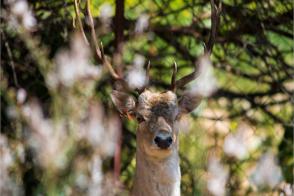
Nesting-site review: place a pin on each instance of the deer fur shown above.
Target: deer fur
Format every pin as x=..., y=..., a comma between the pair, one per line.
x=157, y=170
x=156, y=177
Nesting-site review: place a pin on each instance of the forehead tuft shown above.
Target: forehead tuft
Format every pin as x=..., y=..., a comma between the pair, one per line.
x=150, y=99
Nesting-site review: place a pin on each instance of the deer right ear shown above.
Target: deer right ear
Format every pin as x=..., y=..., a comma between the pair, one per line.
x=188, y=102
x=124, y=102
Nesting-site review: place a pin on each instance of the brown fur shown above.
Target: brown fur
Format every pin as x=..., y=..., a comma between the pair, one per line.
x=157, y=170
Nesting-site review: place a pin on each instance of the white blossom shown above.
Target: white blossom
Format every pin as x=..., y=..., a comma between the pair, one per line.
x=99, y=132
x=142, y=23
x=82, y=181
x=136, y=76
x=106, y=13
x=19, y=7
x=234, y=146
x=111, y=135
x=46, y=137
x=94, y=126
x=205, y=84
x=218, y=176
x=7, y=186
x=139, y=60
x=287, y=189
x=240, y=143
x=73, y=65
x=96, y=176
x=21, y=96
x=267, y=172
x=29, y=21
x=11, y=112
x=6, y=158
x=20, y=12
x=20, y=151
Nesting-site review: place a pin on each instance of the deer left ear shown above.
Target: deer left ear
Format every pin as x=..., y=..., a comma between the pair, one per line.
x=188, y=102
x=124, y=102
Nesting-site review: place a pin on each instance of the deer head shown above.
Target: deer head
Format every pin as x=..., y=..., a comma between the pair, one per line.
x=157, y=114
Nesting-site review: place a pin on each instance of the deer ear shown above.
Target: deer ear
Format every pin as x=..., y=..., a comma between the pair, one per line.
x=188, y=102
x=124, y=102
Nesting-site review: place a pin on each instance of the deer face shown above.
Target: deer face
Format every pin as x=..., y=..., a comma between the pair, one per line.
x=157, y=115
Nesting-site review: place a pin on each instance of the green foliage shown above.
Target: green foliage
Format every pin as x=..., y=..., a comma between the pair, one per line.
x=253, y=63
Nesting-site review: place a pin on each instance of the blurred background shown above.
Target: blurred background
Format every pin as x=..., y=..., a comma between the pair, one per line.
x=61, y=135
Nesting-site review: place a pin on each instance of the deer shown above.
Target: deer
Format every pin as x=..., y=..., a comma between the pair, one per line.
x=157, y=170
x=157, y=160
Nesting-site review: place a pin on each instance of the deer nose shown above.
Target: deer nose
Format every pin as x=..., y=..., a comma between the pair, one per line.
x=163, y=142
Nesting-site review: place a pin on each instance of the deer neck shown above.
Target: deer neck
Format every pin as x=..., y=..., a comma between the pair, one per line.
x=157, y=177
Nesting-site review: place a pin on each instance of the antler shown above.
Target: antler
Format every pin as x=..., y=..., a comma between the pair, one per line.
x=99, y=50
x=173, y=79
x=100, y=56
x=215, y=17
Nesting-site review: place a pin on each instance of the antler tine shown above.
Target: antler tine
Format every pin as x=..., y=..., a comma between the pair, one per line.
x=173, y=79
x=186, y=79
x=215, y=18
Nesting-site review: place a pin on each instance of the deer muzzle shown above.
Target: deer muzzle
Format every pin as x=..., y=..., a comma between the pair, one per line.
x=163, y=139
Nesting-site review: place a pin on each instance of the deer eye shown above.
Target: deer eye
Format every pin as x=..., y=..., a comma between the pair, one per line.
x=140, y=118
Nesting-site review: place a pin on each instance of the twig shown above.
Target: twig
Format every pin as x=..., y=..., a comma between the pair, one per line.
x=11, y=62
x=215, y=18
x=93, y=33
x=78, y=17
